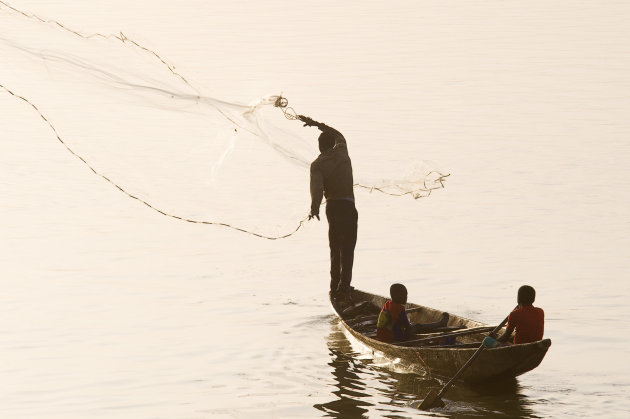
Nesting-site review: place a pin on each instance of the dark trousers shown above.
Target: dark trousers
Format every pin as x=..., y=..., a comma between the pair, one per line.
x=342, y=237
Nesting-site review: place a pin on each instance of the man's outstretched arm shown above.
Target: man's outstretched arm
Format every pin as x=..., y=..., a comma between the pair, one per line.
x=310, y=122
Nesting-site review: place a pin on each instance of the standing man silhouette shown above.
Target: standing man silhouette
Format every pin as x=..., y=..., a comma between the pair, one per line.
x=331, y=177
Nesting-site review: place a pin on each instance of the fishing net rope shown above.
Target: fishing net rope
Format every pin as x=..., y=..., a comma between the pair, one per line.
x=136, y=122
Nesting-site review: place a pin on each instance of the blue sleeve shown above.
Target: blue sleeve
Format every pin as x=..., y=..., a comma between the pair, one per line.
x=397, y=328
x=403, y=318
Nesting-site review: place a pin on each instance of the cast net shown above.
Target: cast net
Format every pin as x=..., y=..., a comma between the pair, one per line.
x=130, y=117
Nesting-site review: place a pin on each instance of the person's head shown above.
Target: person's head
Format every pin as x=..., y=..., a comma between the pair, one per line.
x=526, y=295
x=398, y=292
x=326, y=140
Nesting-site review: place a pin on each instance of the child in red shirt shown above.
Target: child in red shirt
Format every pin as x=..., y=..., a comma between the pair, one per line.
x=393, y=324
x=529, y=321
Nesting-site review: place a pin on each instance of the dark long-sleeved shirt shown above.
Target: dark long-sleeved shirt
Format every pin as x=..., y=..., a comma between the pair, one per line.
x=331, y=173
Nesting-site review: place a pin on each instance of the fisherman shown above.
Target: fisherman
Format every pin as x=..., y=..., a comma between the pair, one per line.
x=393, y=324
x=529, y=321
x=331, y=176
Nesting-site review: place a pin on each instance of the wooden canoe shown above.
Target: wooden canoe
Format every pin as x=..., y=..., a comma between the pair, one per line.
x=444, y=360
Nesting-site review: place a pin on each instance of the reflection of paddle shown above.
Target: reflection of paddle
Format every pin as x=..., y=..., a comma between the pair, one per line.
x=434, y=399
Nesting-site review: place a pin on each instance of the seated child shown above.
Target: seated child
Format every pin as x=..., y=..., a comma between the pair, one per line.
x=529, y=321
x=393, y=324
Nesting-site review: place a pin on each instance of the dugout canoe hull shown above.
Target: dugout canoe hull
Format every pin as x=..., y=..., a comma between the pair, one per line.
x=492, y=364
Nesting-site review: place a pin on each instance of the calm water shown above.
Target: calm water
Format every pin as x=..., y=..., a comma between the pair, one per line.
x=110, y=310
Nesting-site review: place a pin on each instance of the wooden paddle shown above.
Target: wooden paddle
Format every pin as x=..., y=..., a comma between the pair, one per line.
x=437, y=336
x=434, y=399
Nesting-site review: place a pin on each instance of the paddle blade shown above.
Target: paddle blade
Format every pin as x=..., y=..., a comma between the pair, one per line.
x=432, y=400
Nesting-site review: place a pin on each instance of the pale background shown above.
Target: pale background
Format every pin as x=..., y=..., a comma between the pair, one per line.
x=110, y=310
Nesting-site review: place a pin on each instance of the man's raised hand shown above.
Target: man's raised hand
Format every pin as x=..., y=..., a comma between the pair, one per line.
x=308, y=122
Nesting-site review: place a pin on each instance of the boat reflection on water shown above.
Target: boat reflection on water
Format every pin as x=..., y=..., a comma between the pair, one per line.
x=350, y=396
x=369, y=386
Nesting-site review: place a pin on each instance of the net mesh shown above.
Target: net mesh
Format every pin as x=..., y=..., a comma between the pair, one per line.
x=131, y=118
